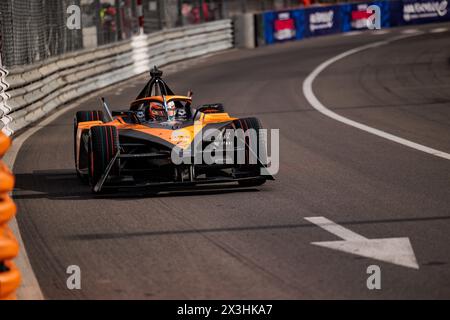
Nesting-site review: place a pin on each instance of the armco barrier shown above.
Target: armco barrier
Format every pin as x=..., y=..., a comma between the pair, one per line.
x=9, y=247
x=280, y=26
x=34, y=91
x=4, y=108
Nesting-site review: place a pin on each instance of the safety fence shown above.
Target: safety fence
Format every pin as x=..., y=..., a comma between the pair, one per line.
x=280, y=26
x=35, y=30
x=33, y=91
x=9, y=247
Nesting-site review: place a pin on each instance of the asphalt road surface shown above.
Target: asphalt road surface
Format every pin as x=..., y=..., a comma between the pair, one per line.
x=234, y=243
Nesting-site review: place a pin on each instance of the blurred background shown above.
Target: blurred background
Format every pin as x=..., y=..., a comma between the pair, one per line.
x=31, y=31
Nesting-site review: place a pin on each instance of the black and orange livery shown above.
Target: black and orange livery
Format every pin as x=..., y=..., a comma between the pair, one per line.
x=133, y=148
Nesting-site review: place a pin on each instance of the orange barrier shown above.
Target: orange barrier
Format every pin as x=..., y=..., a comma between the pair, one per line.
x=5, y=143
x=9, y=247
x=9, y=281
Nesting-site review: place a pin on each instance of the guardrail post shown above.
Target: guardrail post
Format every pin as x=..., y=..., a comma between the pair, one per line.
x=9, y=247
x=244, y=31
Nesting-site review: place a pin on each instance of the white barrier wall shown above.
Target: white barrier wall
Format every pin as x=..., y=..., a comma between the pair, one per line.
x=31, y=92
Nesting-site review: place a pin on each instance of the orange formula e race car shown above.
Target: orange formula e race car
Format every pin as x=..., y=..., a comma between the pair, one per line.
x=162, y=142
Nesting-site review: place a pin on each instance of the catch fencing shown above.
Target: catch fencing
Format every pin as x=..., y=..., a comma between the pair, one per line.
x=35, y=30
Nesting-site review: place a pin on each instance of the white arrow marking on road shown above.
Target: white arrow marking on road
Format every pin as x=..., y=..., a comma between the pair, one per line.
x=393, y=250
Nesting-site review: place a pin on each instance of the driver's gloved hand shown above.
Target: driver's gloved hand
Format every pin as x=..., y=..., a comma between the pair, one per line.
x=140, y=115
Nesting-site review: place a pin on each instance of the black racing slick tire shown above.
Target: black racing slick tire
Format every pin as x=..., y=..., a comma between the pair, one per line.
x=103, y=146
x=83, y=116
x=257, y=147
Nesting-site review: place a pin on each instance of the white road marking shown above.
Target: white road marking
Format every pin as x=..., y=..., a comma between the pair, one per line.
x=380, y=32
x=438, y=30
x=392, y=250
x=335, y=229
x=316, y=104
x=352, y=33
x=409, y=31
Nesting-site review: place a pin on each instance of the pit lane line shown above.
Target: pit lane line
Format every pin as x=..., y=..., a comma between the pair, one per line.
x=308, y=92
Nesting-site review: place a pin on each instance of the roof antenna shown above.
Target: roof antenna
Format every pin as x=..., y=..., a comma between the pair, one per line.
x=108, y=111
x=155, y=72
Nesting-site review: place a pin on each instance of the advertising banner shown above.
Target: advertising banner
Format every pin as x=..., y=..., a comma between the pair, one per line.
x=354, y=16
x=420, y=11
x=283, y=26
x=322, y=20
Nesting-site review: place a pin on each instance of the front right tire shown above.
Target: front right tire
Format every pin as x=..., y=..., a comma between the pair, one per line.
x=256, y=147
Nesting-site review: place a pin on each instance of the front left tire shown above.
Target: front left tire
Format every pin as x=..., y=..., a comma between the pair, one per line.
x=103, y=146
x=81, y=159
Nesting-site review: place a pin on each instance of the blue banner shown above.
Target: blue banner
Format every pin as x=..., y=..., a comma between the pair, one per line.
x=322, y=20
x=354, y=16
x=283, y=26
x=419, y=11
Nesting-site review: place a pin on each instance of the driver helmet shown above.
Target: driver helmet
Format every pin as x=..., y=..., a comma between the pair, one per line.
x=171, y=110
x=156, y=110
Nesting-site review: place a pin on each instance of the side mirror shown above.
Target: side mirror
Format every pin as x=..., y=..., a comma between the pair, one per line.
x=209, y=108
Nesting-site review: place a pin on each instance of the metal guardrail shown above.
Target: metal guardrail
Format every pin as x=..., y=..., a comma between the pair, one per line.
x=9, y=247
x=4, y=108
x=34, y=91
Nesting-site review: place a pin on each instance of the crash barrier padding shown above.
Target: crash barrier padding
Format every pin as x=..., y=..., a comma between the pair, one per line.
x=280, y=26
x=33, y=91
x=9, y=247
x=9, y=281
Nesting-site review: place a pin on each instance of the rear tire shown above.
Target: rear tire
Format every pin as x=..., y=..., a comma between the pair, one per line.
x=103, y=146
x=83, y=116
